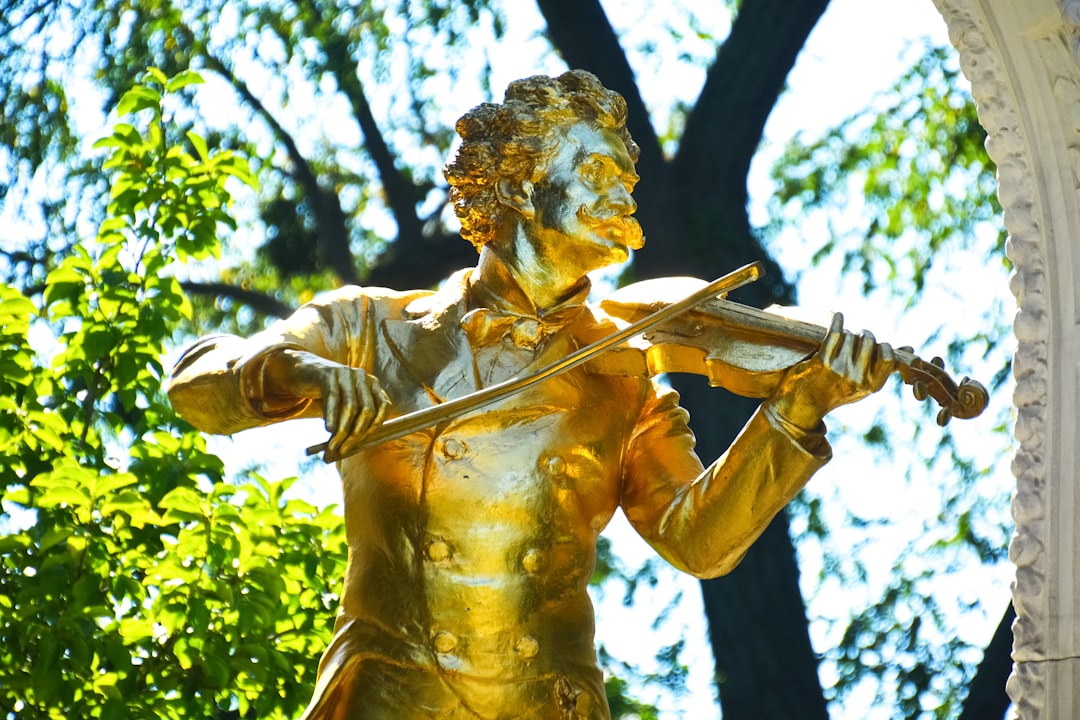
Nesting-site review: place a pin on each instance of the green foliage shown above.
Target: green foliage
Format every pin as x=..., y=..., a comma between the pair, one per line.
x=134, y=581
x=623, y=705
x=916, y=168
x=322, y=181
x=898, y=188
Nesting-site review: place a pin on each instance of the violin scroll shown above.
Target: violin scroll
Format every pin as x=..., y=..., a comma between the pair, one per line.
x=928, y=379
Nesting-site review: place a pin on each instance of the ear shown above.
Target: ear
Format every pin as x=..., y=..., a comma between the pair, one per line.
x=518, y=197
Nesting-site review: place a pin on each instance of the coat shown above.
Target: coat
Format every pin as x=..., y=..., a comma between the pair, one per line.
x=471, y=544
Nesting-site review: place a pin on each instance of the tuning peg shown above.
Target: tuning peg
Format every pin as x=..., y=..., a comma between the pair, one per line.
x=943, y=417
x=920, y=390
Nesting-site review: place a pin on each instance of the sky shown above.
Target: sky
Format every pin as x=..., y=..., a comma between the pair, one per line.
x=857, y=50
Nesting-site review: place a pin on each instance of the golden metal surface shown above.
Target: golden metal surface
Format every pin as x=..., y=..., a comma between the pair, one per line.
x=471, y=541
x=407, y=424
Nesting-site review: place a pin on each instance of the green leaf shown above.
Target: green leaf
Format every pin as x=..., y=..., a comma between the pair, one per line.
x=17, y=494
x=184, y=500
x=64, y=495
x=182, y=80
x=53, y=538
x=13, y=543
x=16, y=308
x=63, y=282
x=157, y=75
x=44, y=674
x=107, y=482
x=200, y=145
x=138, y=98
x=215, y=671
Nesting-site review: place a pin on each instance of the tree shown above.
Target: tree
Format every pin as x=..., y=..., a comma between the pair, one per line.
x=143, y=585
x=361, y=200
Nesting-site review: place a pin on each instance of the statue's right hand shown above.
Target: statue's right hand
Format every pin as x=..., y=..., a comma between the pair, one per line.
x=353, y=402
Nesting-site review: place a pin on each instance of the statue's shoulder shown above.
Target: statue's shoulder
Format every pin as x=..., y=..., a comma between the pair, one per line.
x=595, y=323
x=383, y=302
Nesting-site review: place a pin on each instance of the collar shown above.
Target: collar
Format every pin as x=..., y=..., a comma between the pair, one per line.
x=501, y=292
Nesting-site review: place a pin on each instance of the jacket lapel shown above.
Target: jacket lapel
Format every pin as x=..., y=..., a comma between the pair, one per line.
x=429, y=345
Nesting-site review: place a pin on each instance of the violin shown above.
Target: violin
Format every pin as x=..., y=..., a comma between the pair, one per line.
x=743, y=349
x=748, y=351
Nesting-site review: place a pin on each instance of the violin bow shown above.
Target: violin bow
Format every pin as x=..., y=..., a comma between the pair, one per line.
x=426, y=417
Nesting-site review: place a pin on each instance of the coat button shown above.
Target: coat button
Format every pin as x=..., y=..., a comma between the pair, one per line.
x=527, y=647
x=438, y=551
x=555, y=466
x=530, y=561
x=453, y=448
x=444, y=642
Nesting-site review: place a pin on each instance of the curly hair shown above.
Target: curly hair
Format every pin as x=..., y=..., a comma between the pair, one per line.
x=517, y=139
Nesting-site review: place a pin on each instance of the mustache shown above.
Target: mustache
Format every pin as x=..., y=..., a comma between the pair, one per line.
x=623, y=227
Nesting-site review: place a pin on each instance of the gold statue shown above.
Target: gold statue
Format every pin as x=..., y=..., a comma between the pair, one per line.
x=471, y=542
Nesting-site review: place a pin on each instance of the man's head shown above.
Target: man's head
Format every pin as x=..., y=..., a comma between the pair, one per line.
x=511, y=145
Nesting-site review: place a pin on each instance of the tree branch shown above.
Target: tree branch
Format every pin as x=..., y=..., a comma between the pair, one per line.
x=424, y=266
x=401, y=194
x=259, y=302
x=581, y=32
x=330, y=219
x=724, y=128
x=765, y=664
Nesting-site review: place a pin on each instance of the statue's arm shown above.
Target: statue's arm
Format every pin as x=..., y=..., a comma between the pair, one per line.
x=703, y=520
x=223, y=383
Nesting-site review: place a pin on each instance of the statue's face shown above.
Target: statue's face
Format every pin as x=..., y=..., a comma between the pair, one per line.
x=583, y=205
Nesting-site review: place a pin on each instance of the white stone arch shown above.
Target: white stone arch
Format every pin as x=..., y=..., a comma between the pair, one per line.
x=1021, y=57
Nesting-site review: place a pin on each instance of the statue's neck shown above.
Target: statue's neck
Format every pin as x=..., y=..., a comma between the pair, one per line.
x=510, y=270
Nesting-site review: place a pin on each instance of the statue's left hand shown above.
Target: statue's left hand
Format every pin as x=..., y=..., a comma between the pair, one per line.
x=847, y=368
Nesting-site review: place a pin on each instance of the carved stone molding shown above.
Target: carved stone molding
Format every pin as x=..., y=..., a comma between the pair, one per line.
x=1021, y=57
x=1070, y=15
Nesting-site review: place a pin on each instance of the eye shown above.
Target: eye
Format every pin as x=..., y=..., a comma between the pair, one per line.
x=593, y=173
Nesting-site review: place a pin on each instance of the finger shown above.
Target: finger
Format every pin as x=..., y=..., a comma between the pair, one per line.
x=384, y=407
x=866, y=345
x=885, y=366
x=365, y=412
x=330, y=401
x=332, y=413
x=346, y=411
x=834, y=340
x=374, y=407
x=886, y=355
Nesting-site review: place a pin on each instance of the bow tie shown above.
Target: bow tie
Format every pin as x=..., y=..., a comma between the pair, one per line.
x=485, y=326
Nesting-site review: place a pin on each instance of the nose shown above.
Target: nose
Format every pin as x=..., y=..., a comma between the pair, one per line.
x=621, y=200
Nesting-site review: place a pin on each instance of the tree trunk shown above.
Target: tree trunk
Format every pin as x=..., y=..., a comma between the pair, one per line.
x=695, y=210
x=765, y=665
x=986, y=698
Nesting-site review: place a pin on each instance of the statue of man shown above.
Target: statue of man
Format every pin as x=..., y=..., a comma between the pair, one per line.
x=471, y=543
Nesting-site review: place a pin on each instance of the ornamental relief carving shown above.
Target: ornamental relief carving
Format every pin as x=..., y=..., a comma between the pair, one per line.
x=971, y=30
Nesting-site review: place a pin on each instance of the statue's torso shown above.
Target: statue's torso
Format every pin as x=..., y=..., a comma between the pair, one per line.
x=471, y=545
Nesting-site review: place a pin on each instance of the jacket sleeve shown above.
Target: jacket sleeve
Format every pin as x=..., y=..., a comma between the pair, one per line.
x=218, y=383
x=703, y=520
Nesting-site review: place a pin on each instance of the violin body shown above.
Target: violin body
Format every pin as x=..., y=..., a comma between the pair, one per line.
x=746, y=350
x=713, y=339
